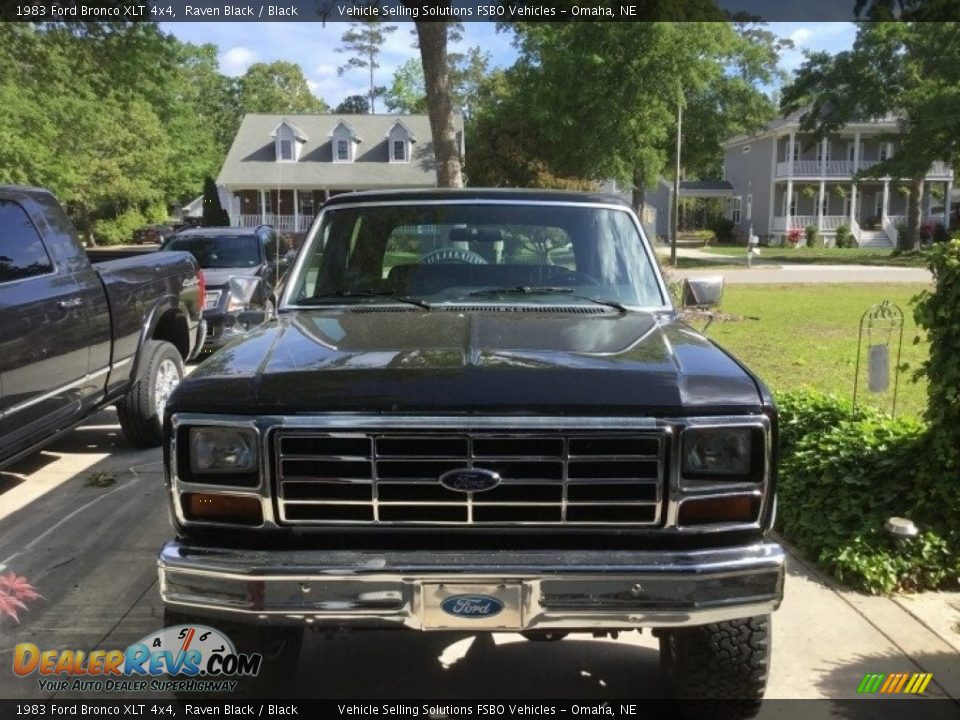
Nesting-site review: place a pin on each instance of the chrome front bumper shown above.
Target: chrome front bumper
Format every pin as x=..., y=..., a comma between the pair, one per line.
x=575, y=590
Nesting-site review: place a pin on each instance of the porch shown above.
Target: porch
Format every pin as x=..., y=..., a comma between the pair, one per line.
x=870, y=210
x=286, y=210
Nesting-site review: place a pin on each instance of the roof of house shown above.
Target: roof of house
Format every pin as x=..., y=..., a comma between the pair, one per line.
x=252, y=162
x=792, y=120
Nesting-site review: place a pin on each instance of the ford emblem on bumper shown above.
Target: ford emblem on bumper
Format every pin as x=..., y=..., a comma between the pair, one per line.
x=470, y=480
x=472, y=606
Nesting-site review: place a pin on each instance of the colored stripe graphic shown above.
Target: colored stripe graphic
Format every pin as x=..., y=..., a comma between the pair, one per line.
x=895, y=683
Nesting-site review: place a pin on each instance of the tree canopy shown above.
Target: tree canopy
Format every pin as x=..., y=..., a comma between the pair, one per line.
x=277, y=87
x=363, y=42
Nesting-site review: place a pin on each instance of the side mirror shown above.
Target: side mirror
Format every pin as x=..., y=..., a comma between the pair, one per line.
x=288, y=258
x=704, y=292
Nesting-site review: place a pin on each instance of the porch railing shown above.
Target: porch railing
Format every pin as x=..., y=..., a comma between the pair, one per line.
x=844, y=168
x=830, y=222
x=283, y=223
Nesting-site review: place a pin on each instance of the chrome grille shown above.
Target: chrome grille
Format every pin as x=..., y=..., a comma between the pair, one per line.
x=391, y=477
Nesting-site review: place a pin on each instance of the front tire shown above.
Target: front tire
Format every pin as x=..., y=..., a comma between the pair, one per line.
x=141, y=410
x=727, y=661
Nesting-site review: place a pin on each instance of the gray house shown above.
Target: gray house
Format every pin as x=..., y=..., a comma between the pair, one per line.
x=281, y=168
x=783, y=180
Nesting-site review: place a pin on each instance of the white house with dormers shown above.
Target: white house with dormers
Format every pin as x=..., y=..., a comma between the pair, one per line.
x=281, y=168
x=783, y=179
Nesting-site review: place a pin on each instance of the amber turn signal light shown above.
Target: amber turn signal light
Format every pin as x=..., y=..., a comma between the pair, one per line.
x=210, y=507
x=740, y=509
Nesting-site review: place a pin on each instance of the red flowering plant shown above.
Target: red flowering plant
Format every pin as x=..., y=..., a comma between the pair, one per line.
x=15, y=590
x=793, y=237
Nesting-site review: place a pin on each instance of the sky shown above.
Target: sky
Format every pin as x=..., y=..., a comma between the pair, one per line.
x=313, y=46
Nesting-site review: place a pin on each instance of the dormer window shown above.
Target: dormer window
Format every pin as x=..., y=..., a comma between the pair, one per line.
x=399, y=139
x=343, y=142
x=288, y=141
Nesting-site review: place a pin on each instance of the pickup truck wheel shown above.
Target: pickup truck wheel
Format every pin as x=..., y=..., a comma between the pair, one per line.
x=279, y=646
x=726, y=661
x=141, y=411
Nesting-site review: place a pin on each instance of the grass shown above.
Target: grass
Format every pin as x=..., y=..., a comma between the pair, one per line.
x=805, y=336
x=828, y=256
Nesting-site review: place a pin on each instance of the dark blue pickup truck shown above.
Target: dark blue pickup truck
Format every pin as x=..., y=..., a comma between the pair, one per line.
x=76, y=336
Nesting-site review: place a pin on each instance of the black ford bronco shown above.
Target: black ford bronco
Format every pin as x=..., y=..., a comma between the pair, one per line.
x=477, y=410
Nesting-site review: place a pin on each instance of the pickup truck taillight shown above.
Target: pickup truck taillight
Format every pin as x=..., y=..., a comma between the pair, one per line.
x=202, y=286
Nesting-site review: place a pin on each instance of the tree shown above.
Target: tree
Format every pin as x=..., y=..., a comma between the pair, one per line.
x=908, y=69
x=364, y=40
x=213, y=213
x=277, y=87
x=432, y=38
x=618, y=119
x=353, y=105
x=408, y=92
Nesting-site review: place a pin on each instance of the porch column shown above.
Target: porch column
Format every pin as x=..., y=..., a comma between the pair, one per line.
x=788, y=217
x=824, y=148
x=296, y=210
x=263, y=207
x=856, y=166
x=820, y=197
x=928, y=197
x=946, y=204
x=886, y=200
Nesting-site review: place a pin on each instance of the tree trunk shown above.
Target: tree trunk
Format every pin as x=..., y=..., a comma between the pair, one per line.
x=914, y=216
x=436, y=75
x=639, y=192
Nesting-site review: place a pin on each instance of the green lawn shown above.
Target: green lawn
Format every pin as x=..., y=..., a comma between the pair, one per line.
x=828, y=256
x=805, y=336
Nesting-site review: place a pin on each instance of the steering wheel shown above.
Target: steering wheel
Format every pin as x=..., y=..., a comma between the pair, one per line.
x=452, y=255
x=574, y=277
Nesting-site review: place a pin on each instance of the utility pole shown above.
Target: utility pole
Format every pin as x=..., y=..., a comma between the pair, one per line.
x=676, y=186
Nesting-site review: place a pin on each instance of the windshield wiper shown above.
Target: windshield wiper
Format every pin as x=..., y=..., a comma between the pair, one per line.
x=386, y=294
x=520, y=290
x=546, y=290
x=616, y=305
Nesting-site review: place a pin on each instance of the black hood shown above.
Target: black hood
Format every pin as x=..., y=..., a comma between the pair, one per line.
x=588, y=360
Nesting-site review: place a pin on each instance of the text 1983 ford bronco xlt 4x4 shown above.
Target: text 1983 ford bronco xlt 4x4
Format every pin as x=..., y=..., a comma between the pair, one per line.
x=477, y=410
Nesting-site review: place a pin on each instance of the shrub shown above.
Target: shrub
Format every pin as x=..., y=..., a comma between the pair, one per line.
x=723, y=230
x=794, y=236
x=813, y=236
x=844, y=238
x=119, y=229
x=938, y=312
x=940, y=233
x=842, y=477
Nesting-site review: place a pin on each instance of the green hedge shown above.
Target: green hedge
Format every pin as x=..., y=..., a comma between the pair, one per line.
x=842, y=477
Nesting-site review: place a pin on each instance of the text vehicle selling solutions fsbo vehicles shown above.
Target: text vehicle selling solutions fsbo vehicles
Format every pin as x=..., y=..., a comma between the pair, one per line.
x=477, y=410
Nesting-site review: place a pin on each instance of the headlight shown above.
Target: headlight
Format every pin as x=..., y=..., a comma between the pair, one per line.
x=222, y=450
x=716, y=451
x=241, y=293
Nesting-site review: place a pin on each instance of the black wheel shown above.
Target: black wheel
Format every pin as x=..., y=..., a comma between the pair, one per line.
x=452, y=255
x=279, y=646
x=726, y=661
x=141, y=411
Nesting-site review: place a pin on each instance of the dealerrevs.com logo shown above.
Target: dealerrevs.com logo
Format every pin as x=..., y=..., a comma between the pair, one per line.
x=186, y=658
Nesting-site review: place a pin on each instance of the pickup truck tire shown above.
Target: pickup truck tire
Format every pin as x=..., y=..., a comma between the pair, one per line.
x=726, y=661
x=141, y=411
x=279, y=646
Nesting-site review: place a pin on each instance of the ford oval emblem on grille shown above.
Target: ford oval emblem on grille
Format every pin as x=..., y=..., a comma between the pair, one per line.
x=472, y=606
x=470, y=480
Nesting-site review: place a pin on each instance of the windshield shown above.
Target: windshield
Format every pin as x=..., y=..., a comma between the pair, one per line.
x=222, y=251
x=450, y=253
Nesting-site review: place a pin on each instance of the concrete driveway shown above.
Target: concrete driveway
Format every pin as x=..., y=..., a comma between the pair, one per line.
x=90, y=551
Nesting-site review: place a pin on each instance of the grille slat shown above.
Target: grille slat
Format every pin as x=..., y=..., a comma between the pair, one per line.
x=392, y=478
